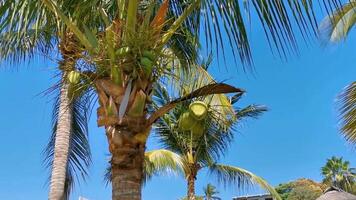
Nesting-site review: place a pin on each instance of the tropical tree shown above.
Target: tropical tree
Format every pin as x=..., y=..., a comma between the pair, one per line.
x=210, y=192
x=68, y=152
x=335, y=28
x=126, y=50
x=200, y=139
x=338, y=173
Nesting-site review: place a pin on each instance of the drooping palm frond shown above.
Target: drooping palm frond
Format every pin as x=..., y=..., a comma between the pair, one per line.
x=157, y=162
x=26, y=29
x=337, y=25
x=235, y=176
x=347, y=101
x=15, y=48
x=216, y=19
x=162, y=162
x=79, y=157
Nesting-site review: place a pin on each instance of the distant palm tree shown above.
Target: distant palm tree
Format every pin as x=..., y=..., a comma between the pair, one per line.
x=338, y=173
x=210, y=192
x=336, y=27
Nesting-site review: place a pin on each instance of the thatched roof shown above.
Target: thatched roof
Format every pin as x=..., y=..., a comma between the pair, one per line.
x=334, y=193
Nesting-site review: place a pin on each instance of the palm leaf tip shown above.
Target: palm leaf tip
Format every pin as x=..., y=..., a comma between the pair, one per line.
x=231, y=175
x=347, y=110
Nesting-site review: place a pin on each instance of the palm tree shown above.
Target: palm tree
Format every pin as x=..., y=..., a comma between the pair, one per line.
x=126, y=49
x=210, y=192
x=335, y=28
x=201, y=143
x=68, y=151
x=338, y=173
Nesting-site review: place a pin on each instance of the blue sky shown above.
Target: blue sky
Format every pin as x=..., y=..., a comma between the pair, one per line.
x=291, y=141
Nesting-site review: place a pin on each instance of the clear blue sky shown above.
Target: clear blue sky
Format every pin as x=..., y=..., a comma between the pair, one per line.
x=291, y=141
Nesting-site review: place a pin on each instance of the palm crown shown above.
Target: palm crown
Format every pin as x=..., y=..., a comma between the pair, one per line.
x=338, y=173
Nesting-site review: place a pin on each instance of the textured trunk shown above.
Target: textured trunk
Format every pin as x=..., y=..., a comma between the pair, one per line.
x=123, y=112
x=127, y=164
x=191, y=187
x=61, y=148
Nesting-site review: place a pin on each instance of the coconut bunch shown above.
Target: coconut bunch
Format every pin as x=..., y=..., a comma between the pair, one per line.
x=129, y=54
x=193, y=120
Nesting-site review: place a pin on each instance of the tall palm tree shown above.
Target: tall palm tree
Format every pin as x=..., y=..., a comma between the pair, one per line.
x=68, y=152
x=338, y=173
x=210, y=192
x=335, y=28
x=126, y=55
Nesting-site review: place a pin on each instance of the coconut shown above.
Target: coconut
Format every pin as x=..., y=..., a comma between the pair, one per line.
x=198, y=110
x=198, y=129
x=186, y=122
x=147, y=65
x=123, y=51
x=149, y=54
x=73, y=77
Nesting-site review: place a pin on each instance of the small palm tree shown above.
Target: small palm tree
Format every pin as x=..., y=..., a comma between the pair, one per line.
x=201, y=147
x=210, y=192
x=338, y=173
x=336, y=27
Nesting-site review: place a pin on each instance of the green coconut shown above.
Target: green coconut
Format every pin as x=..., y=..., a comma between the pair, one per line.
x=147, y=65
x=123, y=51
x=186, y=122
x=73, y=77
x=198, y=129
x=198, y=110
x=149, y=54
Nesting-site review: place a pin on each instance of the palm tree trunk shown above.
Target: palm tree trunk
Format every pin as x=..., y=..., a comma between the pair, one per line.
x=61, y=148
x=191, y=188
x=127, y=164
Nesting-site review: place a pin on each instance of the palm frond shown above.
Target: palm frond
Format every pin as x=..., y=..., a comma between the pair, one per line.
x=162, y=162
x=231, y=175
x=79, y=149
x=157, y=162
x=251, y=111
x=216, y=19
x=336, y=26
x=347, y=102
x=26, y=30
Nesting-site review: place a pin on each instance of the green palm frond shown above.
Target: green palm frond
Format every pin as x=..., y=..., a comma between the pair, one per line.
x=162, y=162
x=336, y=26
x=251, y=111
x=217, y=18
x=79, y=149
x=347, y=101
x=16, y=48
x=157, y=162
x=231, y=175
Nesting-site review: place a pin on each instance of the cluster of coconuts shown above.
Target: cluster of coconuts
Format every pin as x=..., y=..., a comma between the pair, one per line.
x=147, y=61
x=193, y=119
